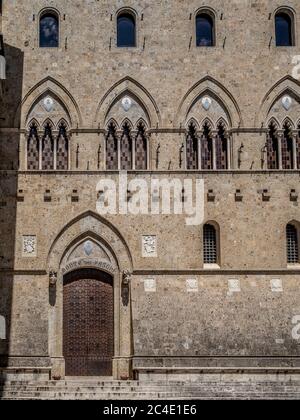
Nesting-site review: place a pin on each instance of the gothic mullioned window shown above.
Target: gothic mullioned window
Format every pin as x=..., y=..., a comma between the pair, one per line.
x=210, y=244
x=111, y=148
x=126, y=30
x=221, y=148
x=207, y=148
x=292, y=244
x=284, y=28
x=272, y=148
x=126, y=148
x=62, y=149
x=33, y=148
x=48, y=148
x=287, y=148
x=192, y=158
x=49, y=29
x=205, y=30
x=141, y=148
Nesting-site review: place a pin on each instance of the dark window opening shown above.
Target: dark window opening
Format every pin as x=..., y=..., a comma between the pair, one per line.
x=49, y=30
x=292, y=244
x=205, y=30
x=210, y=244
x=192, y=148
x=126, y=30
x=283, y=29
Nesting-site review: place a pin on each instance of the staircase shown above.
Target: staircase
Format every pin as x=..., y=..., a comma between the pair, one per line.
x=108, y=389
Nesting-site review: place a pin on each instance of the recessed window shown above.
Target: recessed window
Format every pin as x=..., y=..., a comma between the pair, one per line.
x=205, y=31
x=126, y=30
x=284, y=29
x=292, y=244
x=210, y=245
x=49, y=30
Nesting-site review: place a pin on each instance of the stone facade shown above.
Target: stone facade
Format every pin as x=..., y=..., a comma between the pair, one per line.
x=181, y=314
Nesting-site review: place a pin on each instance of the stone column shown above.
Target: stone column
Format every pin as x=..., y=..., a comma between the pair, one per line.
x=280, y=135
x=214, y=150
x=295, y=136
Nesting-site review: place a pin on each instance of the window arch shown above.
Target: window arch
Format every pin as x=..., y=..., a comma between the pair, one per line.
x=222, y=158
x=292, y=243
x=126, y=148
x=192, y=147
x=49, y=29
x=284, y=28
x=205, y=29
x=62, y=147
x=141, y=147
x=33, y=148
x=112, y=155
x=48, y=148
x=272, y=147
x=207, y=148
x=211, y=244
x=126, y=29
x=287, y=147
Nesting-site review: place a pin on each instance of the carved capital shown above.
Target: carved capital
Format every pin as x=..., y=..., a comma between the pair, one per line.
x=52, y=278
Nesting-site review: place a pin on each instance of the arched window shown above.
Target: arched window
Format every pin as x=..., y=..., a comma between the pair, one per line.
x=192, y=159
x=207, y=148
x=141, y=148
x=126, y=30
x=48, y=148
x=205, y=30
x=126, y=148
x=287, y=148
x=111, y=148
x=221, y=148
x=33, y=148
x=49, y=30
x=210, y=244
x=62, y=159
x=292, y=244
x=284, y=29
x=272, y=147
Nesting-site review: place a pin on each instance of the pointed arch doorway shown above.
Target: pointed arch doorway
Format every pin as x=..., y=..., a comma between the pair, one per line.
x=88, y=323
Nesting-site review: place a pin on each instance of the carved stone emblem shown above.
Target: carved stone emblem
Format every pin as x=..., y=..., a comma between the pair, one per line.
x=88, y=248
x=48, y=104
x=29, y=246
x=126, y=278
x=286, y=102
x=126, y=103
x=52, y=278
x=149, y=246
x=206, y=103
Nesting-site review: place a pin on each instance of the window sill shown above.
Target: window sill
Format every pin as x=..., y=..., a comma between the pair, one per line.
x=211, y=266
x=293, y=266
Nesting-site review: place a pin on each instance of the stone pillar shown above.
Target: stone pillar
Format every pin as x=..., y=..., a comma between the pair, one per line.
x=199, y=136
x=214, y=149
x=295, y=136
x=280, y=135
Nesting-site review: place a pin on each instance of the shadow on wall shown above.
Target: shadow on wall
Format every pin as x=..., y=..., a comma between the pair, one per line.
x=10, y=98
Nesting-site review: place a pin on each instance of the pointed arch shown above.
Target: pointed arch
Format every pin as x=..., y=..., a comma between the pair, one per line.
x=193, y=122
x=48, y=122
x=112, y=123
x=127, y=122
x=274, y=122
x=61, y=122
x=285, y=86
x=221, y=122
x=96, y=226
x=130, y=87
x=207, y=121
x=211, y=87
x=288, y=122
x=141, y=122
x=31, y=122
x=48, y=86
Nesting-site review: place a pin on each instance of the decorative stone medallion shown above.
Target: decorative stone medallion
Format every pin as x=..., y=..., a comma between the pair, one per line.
x=48, y=104
x=29, y=248
x=206, y=103
x=286, y=102
x=126, y=103
x=149, y=246
x=88, y=248
x=234, y=286
x=192, y=285
x=150, y=285
x=276, y=285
